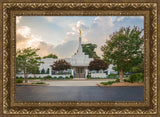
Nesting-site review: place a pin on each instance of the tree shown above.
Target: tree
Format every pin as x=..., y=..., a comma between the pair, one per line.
x=88, y=49
x=43, y=71
x=47, y=71
x=124, y=49
x=51, y=56
x=38, y=71
x=60, y=65
x=27, y=61
x=139, y=68
x=97, y=64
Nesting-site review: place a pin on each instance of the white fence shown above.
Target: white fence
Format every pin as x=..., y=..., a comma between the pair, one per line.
x=41, y=75
x=98, y=75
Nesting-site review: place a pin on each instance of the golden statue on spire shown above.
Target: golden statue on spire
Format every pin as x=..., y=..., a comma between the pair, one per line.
x=80, y=32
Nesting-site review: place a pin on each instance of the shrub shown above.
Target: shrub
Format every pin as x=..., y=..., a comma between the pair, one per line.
x=107, y=83
x=66, y=77
x=71, y=76
x=55, y=77
x=117, y=80
x=20, y=77
x=88, y=76
x=47, y=77
x=138, y=77
x=60, y=77
x=19, y=80
x=112, y=76
x=110, y=82
x=133, y=78
x=126, y=80
x=39, y=83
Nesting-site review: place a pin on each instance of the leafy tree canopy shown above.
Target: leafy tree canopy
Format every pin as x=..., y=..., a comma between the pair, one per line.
x=97, y=64
x=124, y=49
x=27, y=61
x=89, y=48
x=60, y=65
x=51, y=56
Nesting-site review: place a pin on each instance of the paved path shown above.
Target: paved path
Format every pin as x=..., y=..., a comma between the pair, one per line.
x=78, y=93
x=75, y=82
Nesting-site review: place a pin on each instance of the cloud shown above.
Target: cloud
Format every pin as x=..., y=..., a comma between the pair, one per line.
x=64, y=40
x=18, y=19
x=79, y=25
x=49, y=18
x=120, y=18
x=100, y=30
x=25, y=38
x=67, y=49
x=97, y=33
x=140, y=17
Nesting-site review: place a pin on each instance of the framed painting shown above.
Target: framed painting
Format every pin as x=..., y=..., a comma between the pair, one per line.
x=84, y=58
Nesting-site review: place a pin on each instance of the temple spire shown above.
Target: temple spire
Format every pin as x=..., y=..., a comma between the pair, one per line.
x=80, y=47
x=79, y=32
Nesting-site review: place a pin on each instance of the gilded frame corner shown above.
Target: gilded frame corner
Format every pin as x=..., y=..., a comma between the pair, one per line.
x=148, y=10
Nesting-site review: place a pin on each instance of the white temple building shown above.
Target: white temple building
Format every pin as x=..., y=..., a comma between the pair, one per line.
x=79, y=64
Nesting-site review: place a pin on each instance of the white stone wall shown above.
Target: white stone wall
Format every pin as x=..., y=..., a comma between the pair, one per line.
x=98, y=75
x=42, y=75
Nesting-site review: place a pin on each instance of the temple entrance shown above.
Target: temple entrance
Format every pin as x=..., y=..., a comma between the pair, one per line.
x=79, y=72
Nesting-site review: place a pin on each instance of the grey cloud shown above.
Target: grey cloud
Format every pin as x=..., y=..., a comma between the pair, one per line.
x=67, y=49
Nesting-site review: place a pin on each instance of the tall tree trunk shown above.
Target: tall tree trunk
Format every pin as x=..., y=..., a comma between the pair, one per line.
x=121, y=75
x=25, y=77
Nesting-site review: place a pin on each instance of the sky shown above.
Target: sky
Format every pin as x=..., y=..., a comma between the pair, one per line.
x=59, y=34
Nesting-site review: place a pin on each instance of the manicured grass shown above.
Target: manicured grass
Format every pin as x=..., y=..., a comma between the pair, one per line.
x=110, y=82
x=19, y=80
x=39, y=83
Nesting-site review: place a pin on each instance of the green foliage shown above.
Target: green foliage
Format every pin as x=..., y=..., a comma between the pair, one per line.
x=39, y=83
x=124, y=49
x=138, y=77
x=47, y=71
x=127, y=80
x=110, y=82
x=60, y=77
x=112, y=76
x=88, y=49
x=107, y=83
x=51, y=56
x=97, y=64
x=60, y=65
x=138, y=68
x=19, y=80
x=71, y=76
x=117, y=80
x=67, y=77
x=43, y=71
x=88, y=76
x=27, y=61
x=38, y=71
x=47, y=77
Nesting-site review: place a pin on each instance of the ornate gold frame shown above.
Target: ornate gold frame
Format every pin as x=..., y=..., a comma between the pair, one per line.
x=8, y=45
